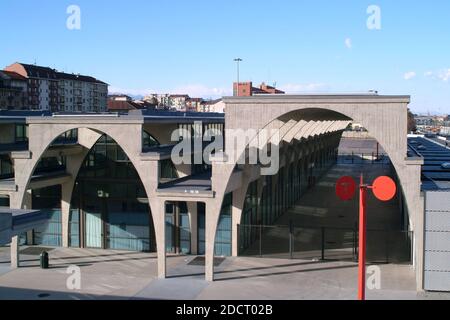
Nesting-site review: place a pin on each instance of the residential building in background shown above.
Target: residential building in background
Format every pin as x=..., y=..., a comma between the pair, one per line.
x=124, y=103
x=433, y=124
x=179, y=101
x=174, y=102
x=194, y=104
x=246, y=89
x=213, y=106
x=50, y=90
x=13, y=91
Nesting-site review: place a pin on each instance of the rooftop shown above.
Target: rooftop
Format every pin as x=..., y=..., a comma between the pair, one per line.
x=143, y=116
x=434, y=176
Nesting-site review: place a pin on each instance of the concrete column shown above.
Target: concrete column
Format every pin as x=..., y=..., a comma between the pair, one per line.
x=236, y=214
x=15, y=262
x=212, y=217
x=158, y=212
x=193, y=226
x=28, y=204
x=66, y=195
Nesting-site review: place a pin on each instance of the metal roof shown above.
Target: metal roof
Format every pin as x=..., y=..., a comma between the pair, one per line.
x=434, y=176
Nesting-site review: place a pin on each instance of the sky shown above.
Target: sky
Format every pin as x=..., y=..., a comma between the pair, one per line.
x=146, y=46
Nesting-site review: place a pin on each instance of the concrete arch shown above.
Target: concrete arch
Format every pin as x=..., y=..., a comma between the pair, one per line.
x=43, y=132
x=385, y=117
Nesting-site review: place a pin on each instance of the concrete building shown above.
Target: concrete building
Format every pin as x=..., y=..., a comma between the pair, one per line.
x=56, y=91
x=109, y=181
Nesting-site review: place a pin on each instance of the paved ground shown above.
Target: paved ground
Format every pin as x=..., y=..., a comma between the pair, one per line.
x=125, y=275
x=320, y=207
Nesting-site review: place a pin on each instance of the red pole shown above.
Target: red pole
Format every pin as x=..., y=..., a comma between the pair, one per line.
x=362, y=241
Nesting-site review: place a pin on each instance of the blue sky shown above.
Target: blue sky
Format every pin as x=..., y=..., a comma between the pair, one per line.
x=142, y=46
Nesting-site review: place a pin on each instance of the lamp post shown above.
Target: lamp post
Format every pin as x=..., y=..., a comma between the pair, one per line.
x=237, y=60
x=384, y=189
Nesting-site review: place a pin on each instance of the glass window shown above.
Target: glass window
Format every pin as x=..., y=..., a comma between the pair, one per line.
x=223, y=233
x=21, y=133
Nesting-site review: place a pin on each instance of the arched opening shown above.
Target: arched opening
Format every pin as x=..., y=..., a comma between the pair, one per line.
x=109, y=205
x=92, y=193
x=44, y=190
x=297, y=209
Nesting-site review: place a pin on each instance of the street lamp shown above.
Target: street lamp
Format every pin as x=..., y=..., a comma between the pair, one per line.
x=237, y=60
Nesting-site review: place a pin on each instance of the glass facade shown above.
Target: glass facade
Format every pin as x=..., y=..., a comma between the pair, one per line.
x=49, y=201
x=279, y=193
x=223, y=232
x=168, y=170
x=4, y=201
x=178, y=231
x=6, y=167
x=110, y=208
x=148, y=141
x=21, y=133
x=201, y=224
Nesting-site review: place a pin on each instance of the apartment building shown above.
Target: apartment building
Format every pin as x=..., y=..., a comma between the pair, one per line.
x=194, y=104
x=212, y=106
x=13, y=91
x=50, y=90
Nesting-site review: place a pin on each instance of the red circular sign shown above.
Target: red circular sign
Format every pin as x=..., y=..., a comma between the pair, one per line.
x=345, y=188
x=384, y=188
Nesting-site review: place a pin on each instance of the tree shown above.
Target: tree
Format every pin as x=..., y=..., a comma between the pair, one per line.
x=412, y=127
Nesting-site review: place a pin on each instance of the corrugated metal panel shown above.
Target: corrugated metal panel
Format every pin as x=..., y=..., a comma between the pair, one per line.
x=438, y=221
x=436, y=281
x=438, y=261
x=438, y=201
x=437, y=241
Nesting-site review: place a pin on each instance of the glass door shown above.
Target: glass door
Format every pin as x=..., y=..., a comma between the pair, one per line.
x=170, y=228
x=184, y=228
x=94, y=230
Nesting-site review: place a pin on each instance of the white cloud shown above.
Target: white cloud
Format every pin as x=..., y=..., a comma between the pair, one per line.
x=131, y=92
x=200, y=90
x=443, y=75
x=193, y=90
x=409, y=75
x=306, y=87
x=348, y=43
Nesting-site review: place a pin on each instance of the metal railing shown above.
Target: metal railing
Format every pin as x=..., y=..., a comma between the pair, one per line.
x=363, y=158
x=323, y=243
